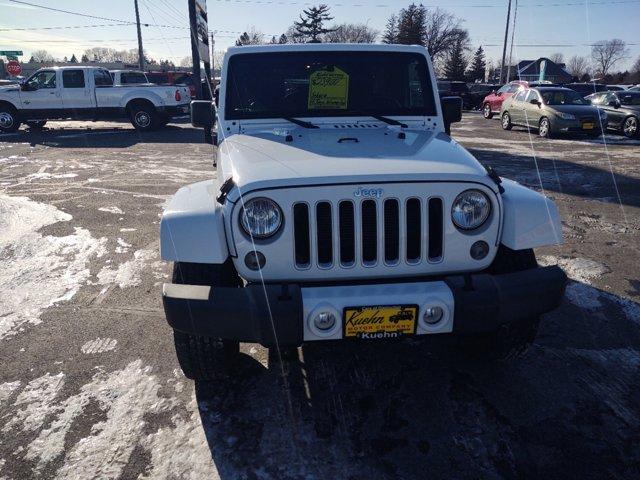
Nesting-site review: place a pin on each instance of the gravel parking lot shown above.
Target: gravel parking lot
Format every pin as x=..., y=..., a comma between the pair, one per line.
x=90, y=386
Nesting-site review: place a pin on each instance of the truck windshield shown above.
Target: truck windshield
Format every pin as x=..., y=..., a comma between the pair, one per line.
x=328, y=84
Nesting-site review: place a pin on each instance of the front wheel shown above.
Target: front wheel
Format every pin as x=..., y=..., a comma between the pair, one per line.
x=205, y=358
x=486, y=111
x=506, y=121
x=630, y=127
x=143, y=117
x=544, y=128
x=9, y=121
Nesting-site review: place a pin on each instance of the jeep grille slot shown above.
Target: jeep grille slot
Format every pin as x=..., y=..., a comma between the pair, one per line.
x=414, y=230
x=347, y=234
x=369, y=232
x=324, y=234
x=301, y=235
x=391, y=231
x=436, y=229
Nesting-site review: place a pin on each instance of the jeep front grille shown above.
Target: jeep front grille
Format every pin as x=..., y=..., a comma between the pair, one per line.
x=368, y=232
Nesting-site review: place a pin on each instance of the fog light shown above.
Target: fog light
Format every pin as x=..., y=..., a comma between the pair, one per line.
x=479, y=250
x=255, y=260
x=432, y=315
x=324, y=321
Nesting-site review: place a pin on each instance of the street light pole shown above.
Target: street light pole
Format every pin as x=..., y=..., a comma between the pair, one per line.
x=140, y=51
x=504, y=48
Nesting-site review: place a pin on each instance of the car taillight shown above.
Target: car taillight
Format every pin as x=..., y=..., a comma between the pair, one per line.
x=192, y=91
x=178, y=96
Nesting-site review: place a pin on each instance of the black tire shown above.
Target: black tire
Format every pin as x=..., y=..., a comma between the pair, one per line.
x=9, y=119
x=143, y=116
x=544, y=128
x=36, y=124
x=506, y=121
x=162, y=121
x=486, y=111
x=205, y=358
x=509, y=341
x=630, y=127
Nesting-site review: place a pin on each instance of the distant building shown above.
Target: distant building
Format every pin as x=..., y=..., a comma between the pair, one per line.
x=529, y=70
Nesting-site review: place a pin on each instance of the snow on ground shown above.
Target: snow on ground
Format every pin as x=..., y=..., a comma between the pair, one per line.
x=38, y=271
x=49, y=176
x=6, y=389
x=126, y=398
x=99, y=345
x=128, y=274
x=113, y=209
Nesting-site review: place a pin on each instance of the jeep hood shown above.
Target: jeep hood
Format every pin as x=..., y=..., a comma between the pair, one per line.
x=344, y=155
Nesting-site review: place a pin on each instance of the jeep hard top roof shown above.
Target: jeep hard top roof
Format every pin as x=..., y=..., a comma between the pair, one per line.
x=326, y=47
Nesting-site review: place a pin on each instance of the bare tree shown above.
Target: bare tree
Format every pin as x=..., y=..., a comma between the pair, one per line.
x=442, y=30
x=578, y=66
x=41, y=56
x=252, y=37
x=636, y=66
x=557, y=57
x=607, y=53
x=186, y=62
x=351, y=33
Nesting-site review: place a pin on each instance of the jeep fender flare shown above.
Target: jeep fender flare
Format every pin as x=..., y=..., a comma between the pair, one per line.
x=530, y=219
x=192, y=226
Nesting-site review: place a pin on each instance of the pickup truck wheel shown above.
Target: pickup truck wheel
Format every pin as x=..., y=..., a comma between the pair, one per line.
x=36, y=124
x=143, y=117
x=9, y=120
x=205, y=358
x=486, y=111
x=512, y=340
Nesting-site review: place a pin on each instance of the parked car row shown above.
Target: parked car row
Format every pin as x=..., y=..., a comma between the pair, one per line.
x=559, y=110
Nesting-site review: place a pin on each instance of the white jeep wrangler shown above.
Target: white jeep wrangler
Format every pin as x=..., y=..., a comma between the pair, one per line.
x=343, y=210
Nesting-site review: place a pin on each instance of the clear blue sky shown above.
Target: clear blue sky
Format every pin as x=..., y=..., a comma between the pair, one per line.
x=580, y=23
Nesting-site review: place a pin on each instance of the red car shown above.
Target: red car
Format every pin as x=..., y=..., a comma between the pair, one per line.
x=493, y=102
x=173, y=78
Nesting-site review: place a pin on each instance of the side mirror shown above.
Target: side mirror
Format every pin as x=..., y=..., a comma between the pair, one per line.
x=202, y=113
x=499, y=94
x=25, y=87
x=614, y=104
x=451, y=111
x=534, y=102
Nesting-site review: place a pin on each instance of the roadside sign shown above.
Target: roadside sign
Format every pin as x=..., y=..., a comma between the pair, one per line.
x=11, y=57
x=14, y=68
x=15, y=53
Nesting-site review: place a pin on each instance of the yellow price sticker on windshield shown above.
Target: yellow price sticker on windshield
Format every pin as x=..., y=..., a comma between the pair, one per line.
x=328, y=90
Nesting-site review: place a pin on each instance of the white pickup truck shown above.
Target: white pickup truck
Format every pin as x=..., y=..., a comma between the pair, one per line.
x=342, y=210
x=88, y=93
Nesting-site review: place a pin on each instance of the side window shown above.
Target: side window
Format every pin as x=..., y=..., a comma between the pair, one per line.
x=513, y=88
x=519, y=97
x=73, y=78
x=103, y=78
x=44, y=79
x=127, y=78
x=532, y=95
x=504, y=89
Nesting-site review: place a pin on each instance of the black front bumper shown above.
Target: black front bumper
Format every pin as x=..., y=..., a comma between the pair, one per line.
x=483, y=303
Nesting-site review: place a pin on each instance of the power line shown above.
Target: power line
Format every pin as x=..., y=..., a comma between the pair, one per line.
x=444, y=4
x=60, y=27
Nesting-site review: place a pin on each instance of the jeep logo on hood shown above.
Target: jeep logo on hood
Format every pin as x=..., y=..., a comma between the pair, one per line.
x=368, y=192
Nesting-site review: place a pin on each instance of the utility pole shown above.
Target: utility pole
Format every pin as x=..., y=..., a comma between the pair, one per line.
x=212, y=46
x=504, y=48
x=513, y=34
x=140, y=51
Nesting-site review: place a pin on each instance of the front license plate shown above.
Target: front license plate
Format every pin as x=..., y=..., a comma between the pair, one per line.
x=385, y=321
x=588, y=126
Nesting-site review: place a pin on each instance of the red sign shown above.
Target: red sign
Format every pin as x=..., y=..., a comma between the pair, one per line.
x=14, y=68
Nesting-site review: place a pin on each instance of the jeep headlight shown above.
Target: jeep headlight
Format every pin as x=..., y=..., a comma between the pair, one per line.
x=566, y=116
x=470, y=209
x=261, y=217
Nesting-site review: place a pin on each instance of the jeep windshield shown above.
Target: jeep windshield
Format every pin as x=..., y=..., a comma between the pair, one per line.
x=328, y=84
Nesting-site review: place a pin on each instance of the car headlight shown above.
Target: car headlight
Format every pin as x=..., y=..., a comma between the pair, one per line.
x=261, y=217
x=470, y=209
x=566, y=116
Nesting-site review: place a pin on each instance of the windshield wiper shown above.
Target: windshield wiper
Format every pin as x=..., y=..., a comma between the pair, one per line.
x=389, y=121
x=302, y=123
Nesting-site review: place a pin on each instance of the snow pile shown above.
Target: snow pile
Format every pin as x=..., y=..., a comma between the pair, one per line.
x=123, y=247
x=99, y=345
x=114, y=209
x=128, y=273
x=38, y=271
x=49, y=176
x=6, y=389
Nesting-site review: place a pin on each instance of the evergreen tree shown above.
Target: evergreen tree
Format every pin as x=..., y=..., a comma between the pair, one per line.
x=391, y=30
x=73, y=59
x=311, y=25
x=84, y=58
x=478, y=67
x=65, y=60
x=456, y=61
x=411, y=27
x=283, y=39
